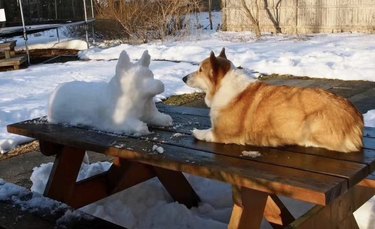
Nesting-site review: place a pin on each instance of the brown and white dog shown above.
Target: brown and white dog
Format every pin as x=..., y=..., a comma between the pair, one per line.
x=246, y=111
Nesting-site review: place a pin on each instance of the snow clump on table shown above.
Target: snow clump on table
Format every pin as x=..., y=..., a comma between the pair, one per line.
x=123, y=105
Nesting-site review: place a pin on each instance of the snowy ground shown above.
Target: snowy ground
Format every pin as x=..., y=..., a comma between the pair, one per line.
x=24, y=95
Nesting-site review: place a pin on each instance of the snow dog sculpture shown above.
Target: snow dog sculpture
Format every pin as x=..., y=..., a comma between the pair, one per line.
x=123, y=105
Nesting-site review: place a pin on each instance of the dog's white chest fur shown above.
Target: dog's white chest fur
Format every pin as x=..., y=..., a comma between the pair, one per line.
x=232, y=85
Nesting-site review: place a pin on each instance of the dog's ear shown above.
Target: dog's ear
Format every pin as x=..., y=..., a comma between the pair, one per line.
x=222, y=54
x=213, y=58
x=213, y=61
x=145, y=59
x=123, y=63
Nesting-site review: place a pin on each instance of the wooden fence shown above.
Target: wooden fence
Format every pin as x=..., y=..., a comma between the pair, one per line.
x=301, y=16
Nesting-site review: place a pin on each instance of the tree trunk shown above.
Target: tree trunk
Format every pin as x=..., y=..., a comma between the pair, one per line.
x=210, y=13
x=254, y=21
x=271, y=17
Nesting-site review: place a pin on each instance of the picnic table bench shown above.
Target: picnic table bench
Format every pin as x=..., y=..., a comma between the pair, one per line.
x=336, y=183
x=11, y=59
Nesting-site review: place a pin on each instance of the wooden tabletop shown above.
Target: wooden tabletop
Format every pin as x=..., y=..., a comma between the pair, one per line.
x=313, y=175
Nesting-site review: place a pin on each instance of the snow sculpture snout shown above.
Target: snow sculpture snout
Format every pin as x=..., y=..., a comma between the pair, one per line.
x=124, y=105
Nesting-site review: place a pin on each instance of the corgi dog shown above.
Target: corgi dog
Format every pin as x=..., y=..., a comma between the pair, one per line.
x=246, y=111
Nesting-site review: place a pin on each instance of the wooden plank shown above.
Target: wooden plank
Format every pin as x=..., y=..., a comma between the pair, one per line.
x=336, y=214
x=369, y=132
x=49, y=149
x=89, y=190
x=62, y=179
x=261, y=176
x=366, y=156
x=248, y=208
x=17, y=60
x=369, y=143
x=120, y=176
x=124, y=174
x=352, y=171
x=183, y=110
x=276, y=213
x=185, y=123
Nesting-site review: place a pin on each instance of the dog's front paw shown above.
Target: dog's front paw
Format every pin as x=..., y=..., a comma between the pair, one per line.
x=204, y=135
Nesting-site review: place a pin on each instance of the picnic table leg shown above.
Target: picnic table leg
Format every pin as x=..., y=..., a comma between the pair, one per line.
x=62, y=180
x=276, y=213
x=124, y=174
x=177, y=186
x=248, y=208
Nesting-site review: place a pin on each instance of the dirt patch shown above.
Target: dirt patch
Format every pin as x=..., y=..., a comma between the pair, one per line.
x=41, y=55
x=190, y=100
x=26, y=148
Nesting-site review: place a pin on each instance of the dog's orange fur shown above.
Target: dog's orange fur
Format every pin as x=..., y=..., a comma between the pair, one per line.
x=267, y=115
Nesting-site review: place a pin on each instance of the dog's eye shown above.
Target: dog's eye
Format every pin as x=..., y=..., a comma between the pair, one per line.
x=200, y=69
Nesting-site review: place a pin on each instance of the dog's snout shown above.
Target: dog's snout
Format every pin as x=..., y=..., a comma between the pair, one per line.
x=185, y=78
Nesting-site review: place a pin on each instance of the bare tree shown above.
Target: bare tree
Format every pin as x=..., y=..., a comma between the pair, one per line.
x=274, y=20
x=210, y=13
x=144, y=20
x=254, y=20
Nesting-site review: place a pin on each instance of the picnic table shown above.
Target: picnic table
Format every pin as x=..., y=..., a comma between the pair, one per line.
x=336, y=183
x=11, y=59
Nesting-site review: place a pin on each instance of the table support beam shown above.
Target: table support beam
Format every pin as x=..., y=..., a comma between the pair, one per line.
x=62, y=180
x=338, y=214
x=177, y=186
x=248, y=208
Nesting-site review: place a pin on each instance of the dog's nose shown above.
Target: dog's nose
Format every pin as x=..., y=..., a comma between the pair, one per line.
x=185, y=78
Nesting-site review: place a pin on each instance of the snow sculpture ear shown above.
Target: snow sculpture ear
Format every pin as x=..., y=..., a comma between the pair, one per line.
x=145, y=59
x=123, y=63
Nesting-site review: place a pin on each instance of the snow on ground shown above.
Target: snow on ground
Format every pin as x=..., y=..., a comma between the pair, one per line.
x=21, y=196
x=50, y=39
x=337, y=56
x=24, y=95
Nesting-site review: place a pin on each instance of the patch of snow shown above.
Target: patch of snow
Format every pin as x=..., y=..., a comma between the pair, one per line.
x=369, y=118
x=252, y=154
x=176, y=135
x=21, y=197
x=336, y=56
x=158, y=149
